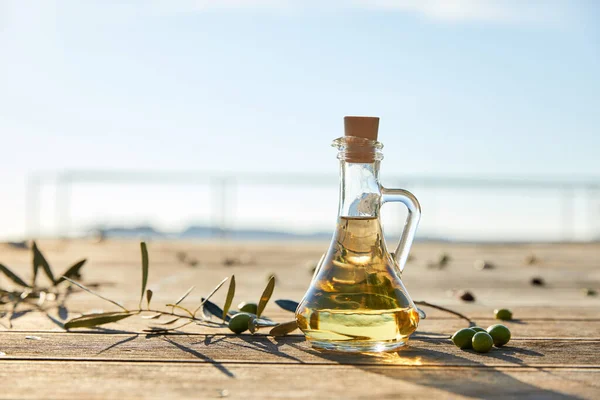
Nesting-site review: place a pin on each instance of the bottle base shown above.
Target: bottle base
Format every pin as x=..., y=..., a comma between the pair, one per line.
x=358, y=346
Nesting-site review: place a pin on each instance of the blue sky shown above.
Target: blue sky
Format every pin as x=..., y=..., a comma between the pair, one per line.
x=464, y=88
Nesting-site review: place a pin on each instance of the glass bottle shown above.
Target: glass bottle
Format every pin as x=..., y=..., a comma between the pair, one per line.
x=356, y=300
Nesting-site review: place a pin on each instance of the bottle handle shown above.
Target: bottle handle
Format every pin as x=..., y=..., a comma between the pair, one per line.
x=410, y=227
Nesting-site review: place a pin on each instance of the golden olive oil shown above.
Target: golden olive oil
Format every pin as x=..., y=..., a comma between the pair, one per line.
x=356, y=301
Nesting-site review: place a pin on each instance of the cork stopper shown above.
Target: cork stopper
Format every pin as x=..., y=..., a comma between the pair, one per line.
x=360, y=137
x=363, y=127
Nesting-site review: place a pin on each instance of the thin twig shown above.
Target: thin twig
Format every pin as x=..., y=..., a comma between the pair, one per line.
x=174, y=314
x=158, y=330
x=210, y=295
x=424, y=303
x=90, y=291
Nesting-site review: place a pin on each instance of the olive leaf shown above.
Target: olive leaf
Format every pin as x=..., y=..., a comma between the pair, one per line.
x=40, y=260
x=144, y=270
x=229, y=298
x=90, y=320
x=34, y=263
x=95, y=294
x=153, y=316
x=214, y=309
x=149, y=296
x=284, y=328
x=169, y=322
x=72, y=272
x=264, y=298
x=12, y=276
x=186, y=294
x=56, y=321
x=210, y=295
x=288, y=305
x=216, y=288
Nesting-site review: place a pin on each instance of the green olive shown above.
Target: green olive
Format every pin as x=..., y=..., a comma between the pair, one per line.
x=239, y=322
x=478, y=329
x=500, y=334
x=503, y=314
x=251, y=308
x=462, y=338
x=482, y=342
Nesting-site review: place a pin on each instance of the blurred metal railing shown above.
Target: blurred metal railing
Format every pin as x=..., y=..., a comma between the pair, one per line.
x=222, y=188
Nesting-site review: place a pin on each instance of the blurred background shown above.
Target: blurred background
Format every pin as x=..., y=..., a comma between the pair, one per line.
x=192, y=118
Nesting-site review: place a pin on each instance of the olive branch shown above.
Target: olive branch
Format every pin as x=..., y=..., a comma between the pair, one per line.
x=32, y=296
x=202, y=315
x=249, y=317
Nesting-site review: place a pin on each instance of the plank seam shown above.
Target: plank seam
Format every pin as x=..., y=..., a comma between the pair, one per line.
x=294, y=336
x=270, y=363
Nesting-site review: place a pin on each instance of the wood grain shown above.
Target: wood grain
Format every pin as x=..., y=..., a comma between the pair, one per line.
x=93, y=380
x=294, y=349
x=434, y=327
x=553, y=353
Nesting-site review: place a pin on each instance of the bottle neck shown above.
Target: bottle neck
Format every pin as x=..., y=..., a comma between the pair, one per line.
x=360, y=191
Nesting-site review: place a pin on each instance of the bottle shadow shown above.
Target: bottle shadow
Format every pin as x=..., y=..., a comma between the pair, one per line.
x=444, y=371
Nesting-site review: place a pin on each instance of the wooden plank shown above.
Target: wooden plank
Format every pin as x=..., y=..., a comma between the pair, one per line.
x=556, y=305
x=92, y=380
x=567, y=320
x=506, y=286
x=288, y=350
x=204, y=361
x=430, y=327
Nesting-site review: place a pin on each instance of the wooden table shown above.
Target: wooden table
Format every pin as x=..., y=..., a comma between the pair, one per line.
x=554, y=353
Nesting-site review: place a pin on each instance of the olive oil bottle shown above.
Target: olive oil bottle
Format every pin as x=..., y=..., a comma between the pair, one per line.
x=356, y=301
